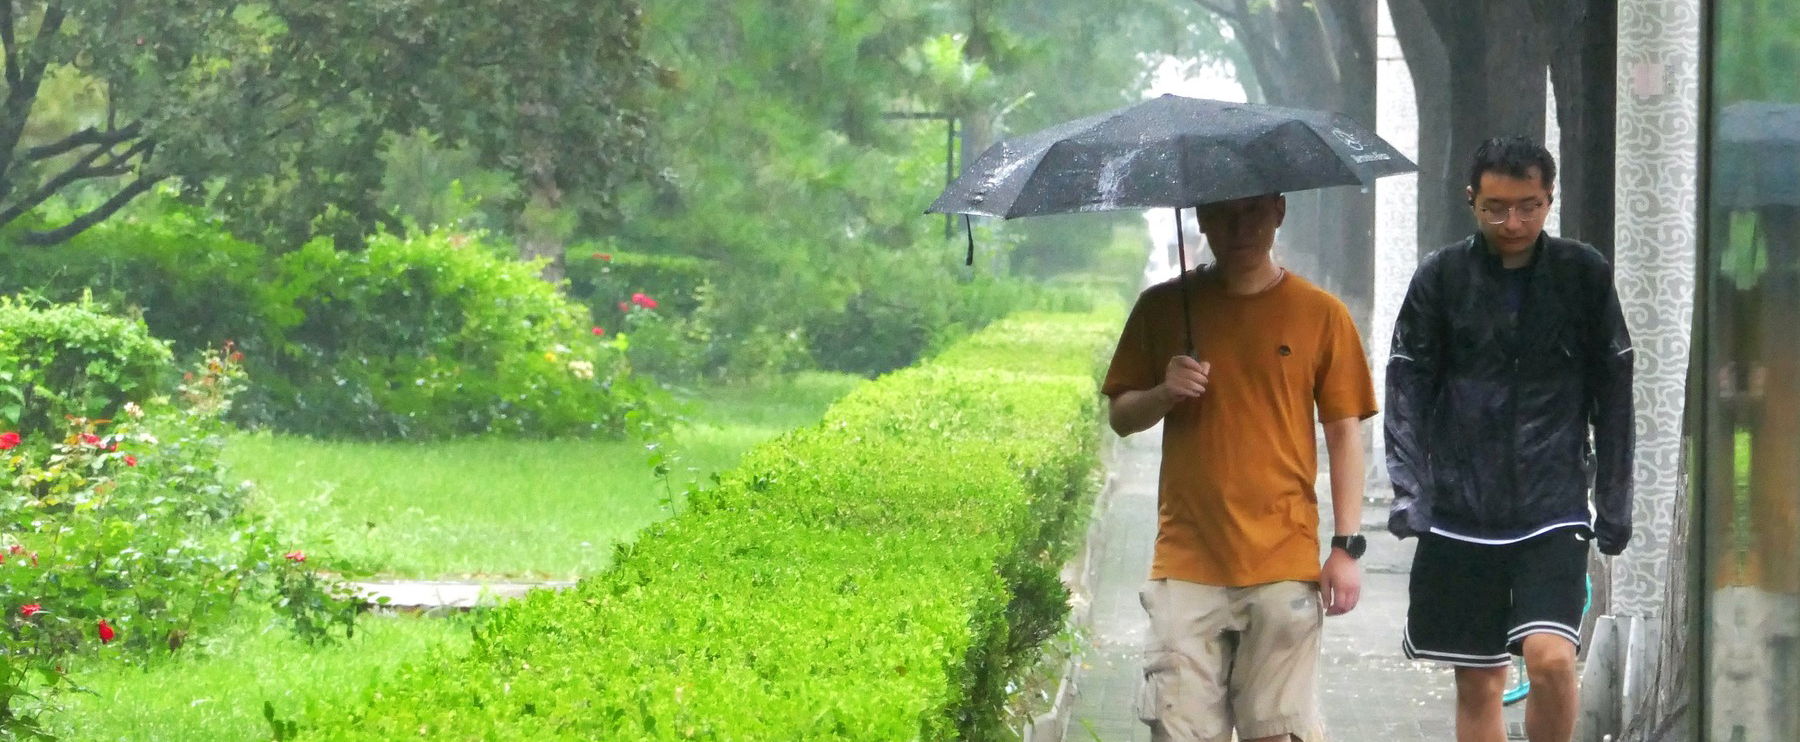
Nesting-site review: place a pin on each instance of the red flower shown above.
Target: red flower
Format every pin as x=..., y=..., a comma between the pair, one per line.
x=29, y=608
x=130, y=460
x=295, y=556
x=237, y=357
x=598, y=331
x=17, y=549
x=9, y=440
x=106, y=632
x=643, y=301
x=90, y=439
x=624, y=306
x=603, y=256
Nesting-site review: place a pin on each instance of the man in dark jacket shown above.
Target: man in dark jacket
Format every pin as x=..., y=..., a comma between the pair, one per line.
x=1510, y=346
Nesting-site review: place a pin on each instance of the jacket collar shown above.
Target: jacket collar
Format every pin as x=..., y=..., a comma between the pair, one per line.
x=1491, y=260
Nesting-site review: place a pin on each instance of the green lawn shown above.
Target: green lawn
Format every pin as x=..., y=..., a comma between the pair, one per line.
x=521, y=508
x=489, y=508
x=218, y=693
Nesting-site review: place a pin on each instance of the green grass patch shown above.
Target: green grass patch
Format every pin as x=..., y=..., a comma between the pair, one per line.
x=513, y=508
x=216, y=692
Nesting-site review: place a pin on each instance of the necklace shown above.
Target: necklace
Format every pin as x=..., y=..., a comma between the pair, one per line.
x=1280, y=273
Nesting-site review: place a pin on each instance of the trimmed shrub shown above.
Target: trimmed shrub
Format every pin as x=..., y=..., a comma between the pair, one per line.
x=879, y=576
x=66, y=361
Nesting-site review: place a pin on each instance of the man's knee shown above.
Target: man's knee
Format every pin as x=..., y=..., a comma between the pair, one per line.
x=1549, y=658
x=1480, y=685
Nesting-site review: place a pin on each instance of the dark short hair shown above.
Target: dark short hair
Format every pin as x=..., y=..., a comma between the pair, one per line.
x=1513, y=157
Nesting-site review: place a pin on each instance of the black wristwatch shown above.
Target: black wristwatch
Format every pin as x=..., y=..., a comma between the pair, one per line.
x=1353, y=545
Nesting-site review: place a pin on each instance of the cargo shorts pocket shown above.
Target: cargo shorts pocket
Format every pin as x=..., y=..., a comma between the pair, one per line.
x=1156, y=698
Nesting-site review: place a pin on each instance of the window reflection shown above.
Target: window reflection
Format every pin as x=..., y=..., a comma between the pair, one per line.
x=1752, y=438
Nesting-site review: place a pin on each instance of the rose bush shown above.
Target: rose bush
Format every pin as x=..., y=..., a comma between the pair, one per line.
x=123, y=536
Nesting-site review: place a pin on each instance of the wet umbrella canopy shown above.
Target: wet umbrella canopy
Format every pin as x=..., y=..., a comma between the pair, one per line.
x=1169, y=152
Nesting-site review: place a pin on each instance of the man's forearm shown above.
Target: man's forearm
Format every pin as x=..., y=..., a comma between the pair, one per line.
x=1344, y=446
x=1137, y=411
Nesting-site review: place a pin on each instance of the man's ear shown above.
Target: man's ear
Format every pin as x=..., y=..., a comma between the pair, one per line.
x=1280, y=210
x=1469, y=193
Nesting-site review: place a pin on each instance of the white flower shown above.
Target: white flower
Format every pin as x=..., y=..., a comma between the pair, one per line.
x=581, y=369
x=132, y=409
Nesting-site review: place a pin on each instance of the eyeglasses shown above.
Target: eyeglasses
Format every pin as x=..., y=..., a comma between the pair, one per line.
x=1527, y=212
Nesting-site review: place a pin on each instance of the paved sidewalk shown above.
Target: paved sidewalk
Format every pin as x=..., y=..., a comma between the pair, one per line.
x=1370, y=693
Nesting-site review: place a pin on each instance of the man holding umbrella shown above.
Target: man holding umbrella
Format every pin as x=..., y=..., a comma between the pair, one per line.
x=1234, y=359
x=1509, y=349
x=1236, y=594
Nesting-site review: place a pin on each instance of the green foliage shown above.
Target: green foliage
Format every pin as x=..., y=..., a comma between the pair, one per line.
x=428, y=185
x=70, y=361
x=277, y=113
x=436, y=336
x=1757, y=38
x=194, y=284
x=122, y=538
x=881, y=575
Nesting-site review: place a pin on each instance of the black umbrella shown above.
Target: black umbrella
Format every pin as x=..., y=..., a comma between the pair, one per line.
x=1756, y=158
x=1171, y=152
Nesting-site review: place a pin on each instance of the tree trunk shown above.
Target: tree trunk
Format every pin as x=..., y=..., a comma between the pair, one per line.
x=1583, y=62
x=540, y=236
x=1319, y=55
x=1426, y=59
x=1496, y=60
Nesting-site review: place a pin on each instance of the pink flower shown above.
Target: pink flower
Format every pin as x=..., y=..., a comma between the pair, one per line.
x=106, y=632
x=130, y=460
x=9, y=440
x=29, y=609
x=624, y=306
x=296, y=557
x=90, y=439
x=643, y=301
x=17, y=549
x=598, y=331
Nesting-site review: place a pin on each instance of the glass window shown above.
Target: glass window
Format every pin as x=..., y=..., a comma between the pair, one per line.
x=1751, y=350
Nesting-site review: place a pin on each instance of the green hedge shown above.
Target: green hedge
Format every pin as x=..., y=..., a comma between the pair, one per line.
x=64, y=361
x=879, y=576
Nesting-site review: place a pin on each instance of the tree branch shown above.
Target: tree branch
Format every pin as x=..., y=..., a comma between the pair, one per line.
x=23, y=85
x=11, y=43
x=81, y=170
x=99, y=214
x=83, y=138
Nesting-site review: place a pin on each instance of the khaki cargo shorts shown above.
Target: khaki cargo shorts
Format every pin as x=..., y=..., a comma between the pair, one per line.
x=1231, y=657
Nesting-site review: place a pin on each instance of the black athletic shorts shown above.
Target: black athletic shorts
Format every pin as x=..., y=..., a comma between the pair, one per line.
x=1474, y=604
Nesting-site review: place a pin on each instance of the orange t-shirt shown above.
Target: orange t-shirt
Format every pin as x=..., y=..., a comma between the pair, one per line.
x=1236, y=505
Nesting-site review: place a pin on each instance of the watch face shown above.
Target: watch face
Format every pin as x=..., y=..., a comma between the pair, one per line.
x=1357, y=546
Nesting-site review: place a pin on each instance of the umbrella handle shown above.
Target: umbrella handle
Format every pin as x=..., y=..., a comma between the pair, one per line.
x=1181, y=287
x=970, y=260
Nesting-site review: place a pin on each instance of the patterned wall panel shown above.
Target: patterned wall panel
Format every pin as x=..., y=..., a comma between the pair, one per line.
x=1658, y=141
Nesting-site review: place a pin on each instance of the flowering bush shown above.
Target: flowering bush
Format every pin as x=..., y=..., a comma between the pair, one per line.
x=434, y=336
x=122, y=537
